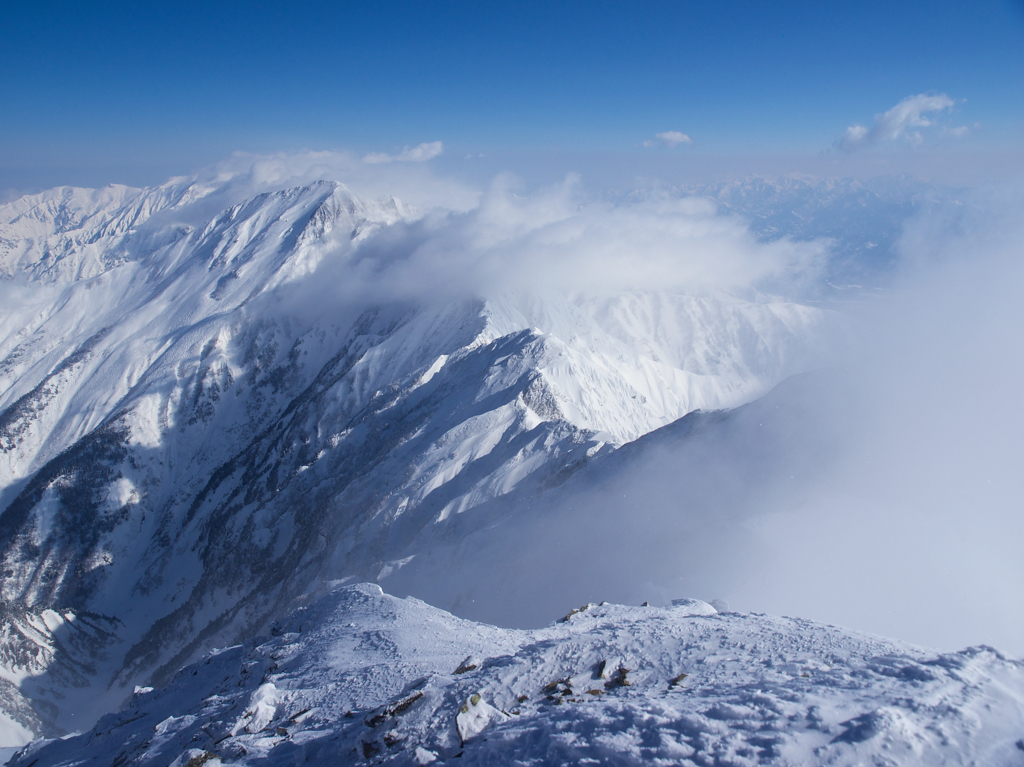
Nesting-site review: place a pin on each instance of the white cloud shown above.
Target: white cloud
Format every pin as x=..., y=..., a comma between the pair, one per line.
x=670, y=138
x=897, y=123
x=557, y=239
x=418, y=153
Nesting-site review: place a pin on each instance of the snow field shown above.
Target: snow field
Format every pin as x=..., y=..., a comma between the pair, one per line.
x=360, y=677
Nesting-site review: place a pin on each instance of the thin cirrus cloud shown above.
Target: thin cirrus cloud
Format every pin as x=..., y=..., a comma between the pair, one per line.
x=418, y=153
x=900, y=122
x=670, y=138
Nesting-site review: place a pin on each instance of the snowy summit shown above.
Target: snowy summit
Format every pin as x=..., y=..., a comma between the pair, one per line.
x=359, y=677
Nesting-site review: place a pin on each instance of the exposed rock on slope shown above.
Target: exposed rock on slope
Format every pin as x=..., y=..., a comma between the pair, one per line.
x=360, y=677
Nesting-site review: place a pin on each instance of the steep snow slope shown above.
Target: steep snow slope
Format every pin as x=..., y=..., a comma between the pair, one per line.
x=826, y=498
x=68, y=234
x=670, y=510
x=72, y=352
x=360, y=677
x=195, y=431
x=90, y=362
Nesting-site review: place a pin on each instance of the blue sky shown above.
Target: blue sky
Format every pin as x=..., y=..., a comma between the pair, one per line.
x=135, y=92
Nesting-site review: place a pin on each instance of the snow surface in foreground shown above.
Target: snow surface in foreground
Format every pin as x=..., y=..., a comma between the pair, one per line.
x=361, y=677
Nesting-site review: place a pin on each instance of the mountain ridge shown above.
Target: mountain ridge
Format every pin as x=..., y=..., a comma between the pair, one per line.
x=196, y=435
x=361, y=677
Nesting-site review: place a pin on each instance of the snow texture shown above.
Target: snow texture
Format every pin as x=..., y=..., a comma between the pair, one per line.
x=360, y=677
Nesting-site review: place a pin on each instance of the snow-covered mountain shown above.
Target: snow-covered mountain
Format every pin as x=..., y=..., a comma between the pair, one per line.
x=360, y=677
x=667, y=512
x=201, y=423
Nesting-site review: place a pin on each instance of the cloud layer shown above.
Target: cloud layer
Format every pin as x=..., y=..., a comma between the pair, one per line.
x=913, y=525
x=899, y=122
x=459, y=241
x=555, y=238
x=418, y=153
x=672, y=138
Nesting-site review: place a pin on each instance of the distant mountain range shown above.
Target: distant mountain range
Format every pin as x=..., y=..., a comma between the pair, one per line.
x=862, y=220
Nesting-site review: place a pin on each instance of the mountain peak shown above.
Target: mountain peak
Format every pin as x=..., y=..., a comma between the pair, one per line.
x=197, y=429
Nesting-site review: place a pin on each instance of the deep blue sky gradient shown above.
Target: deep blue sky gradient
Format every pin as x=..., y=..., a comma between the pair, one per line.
x=137, y=91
